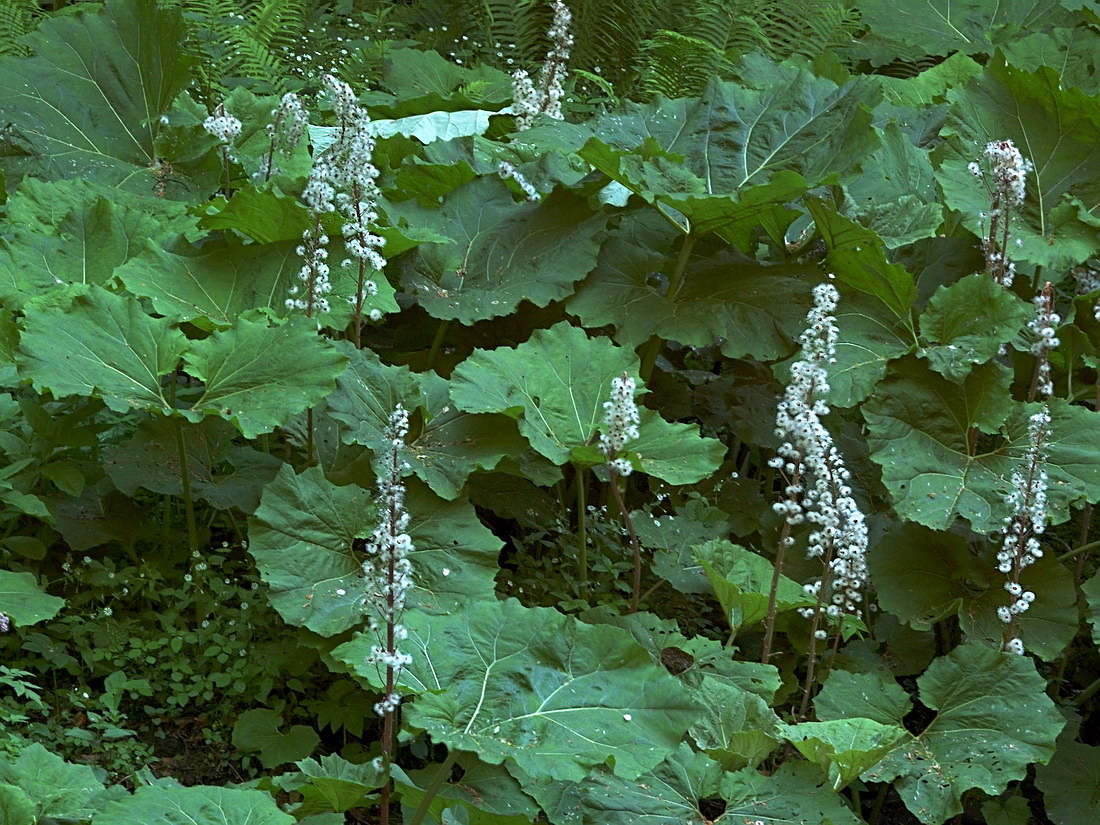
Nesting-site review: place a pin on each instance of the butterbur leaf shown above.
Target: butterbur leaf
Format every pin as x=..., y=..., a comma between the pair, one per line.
x=737, y=727
x=1069, y=784
x=556, y=384
x=102, y=345
x=150, y=460
x=993, y=719
x=962, y=336
x=1056, y=129
x=258, y=730
x=503, y=252
x=844, y=747
x=540, y=690
x=1071, y=52
x=90, y=98
x=755, y=308
x=487, y=793
x=450, y=445
x=196, y=805
x=24, y=601
x=861, y=695
x=923, y=432
x=673, y=539
x=55, y=788
x=16, y=807
x=304, y=539
x=246, y=377
x=742, y=582
x=1091, y=590
x=331, y=783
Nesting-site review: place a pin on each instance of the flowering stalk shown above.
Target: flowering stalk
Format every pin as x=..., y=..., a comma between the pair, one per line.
x=1007, y=185
x=1020, y=546
x=1044, y=325
x=285, y=130
x=620, y=428
x=818, y=491
x=225, y=128
x=5, y=623
x=388, y=573
x=343, y=180
x=546, y=99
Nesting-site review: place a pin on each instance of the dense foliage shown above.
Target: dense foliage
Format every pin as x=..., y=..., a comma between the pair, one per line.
x=482, y=413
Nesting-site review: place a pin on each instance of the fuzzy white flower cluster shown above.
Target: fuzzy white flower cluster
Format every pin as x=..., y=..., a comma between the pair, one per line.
x=287, y=126
x=5, y=623
x=1088, y=280
x=1044, y=325
x=314, y=273
x=343, y=180
x=387, y=568
x=529, y=101
x=818, y=490
x=1007, y=184
x=1020, y=548
x=507, y=170
x=620, y=423
x=222, y=125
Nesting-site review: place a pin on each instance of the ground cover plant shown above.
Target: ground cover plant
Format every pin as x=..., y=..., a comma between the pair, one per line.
x=571, y=412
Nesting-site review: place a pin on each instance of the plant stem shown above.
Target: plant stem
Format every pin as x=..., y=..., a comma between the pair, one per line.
x=582, y=535
x=225, y=163
x=309, y=437
x=635, y=593
x=811, y=663
x=185, y=479
x=777, y=572
x=437, y=342
x=1087, y=693
x=440, y=777
x=654, y=344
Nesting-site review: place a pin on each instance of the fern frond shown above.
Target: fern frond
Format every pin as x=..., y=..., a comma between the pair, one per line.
x=676, y=65
x=17, y=18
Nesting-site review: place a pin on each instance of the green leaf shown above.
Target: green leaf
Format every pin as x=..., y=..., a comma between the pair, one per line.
x=16, y=807
x=56, y=788
x=90, y=99
x=334, y=784
x=264, y=215
x=1071, y=52
x=847, y=695
x=993, y=719
x=737, y=727
x=969, y=26
x=450, y=445
x=556, y=384
x=149, y=460
x=755, y=308
x=844, y=747
x=258, y=730
x=1069, y=784
x=529, y=685
x=920, y=427
x=212, y=285
x=487, y=793
x=303, y=538
x=1057, y=130
x=102, y=345
x=24, y=601
x=673, y=538
x=196, y=805
x=1091, y=591
x=742, y=582
x=245, y=373
x=963, y=337
x=503, y=252
x=895, y=195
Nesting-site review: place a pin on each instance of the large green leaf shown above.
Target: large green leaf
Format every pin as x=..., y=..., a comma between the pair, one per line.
x=925, y=433
x=89, y=101
x=246, y=377
x=689, y=788
x=1091, y=589
x=73, y=231
x=503, y=252
x=24, y=601
x=941, y=27
x=449, y=446
x=755, y=309
x=487, y=793
x=742, y=582
x=57, y=789
x=212, y=285
x=257, y=729
x=304, y=534
x=196, y=805
x=149, y=460
x=844, y=747
x=993, y=719
x=1070, y=784
x=102, y=345
x=552, y=695
x=1057, y=129
x=1071, y=52
x=737, y=727
x=331, y=783
x=556, y=384
x=861, y=695
x=960, y=335
x=673, y=539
